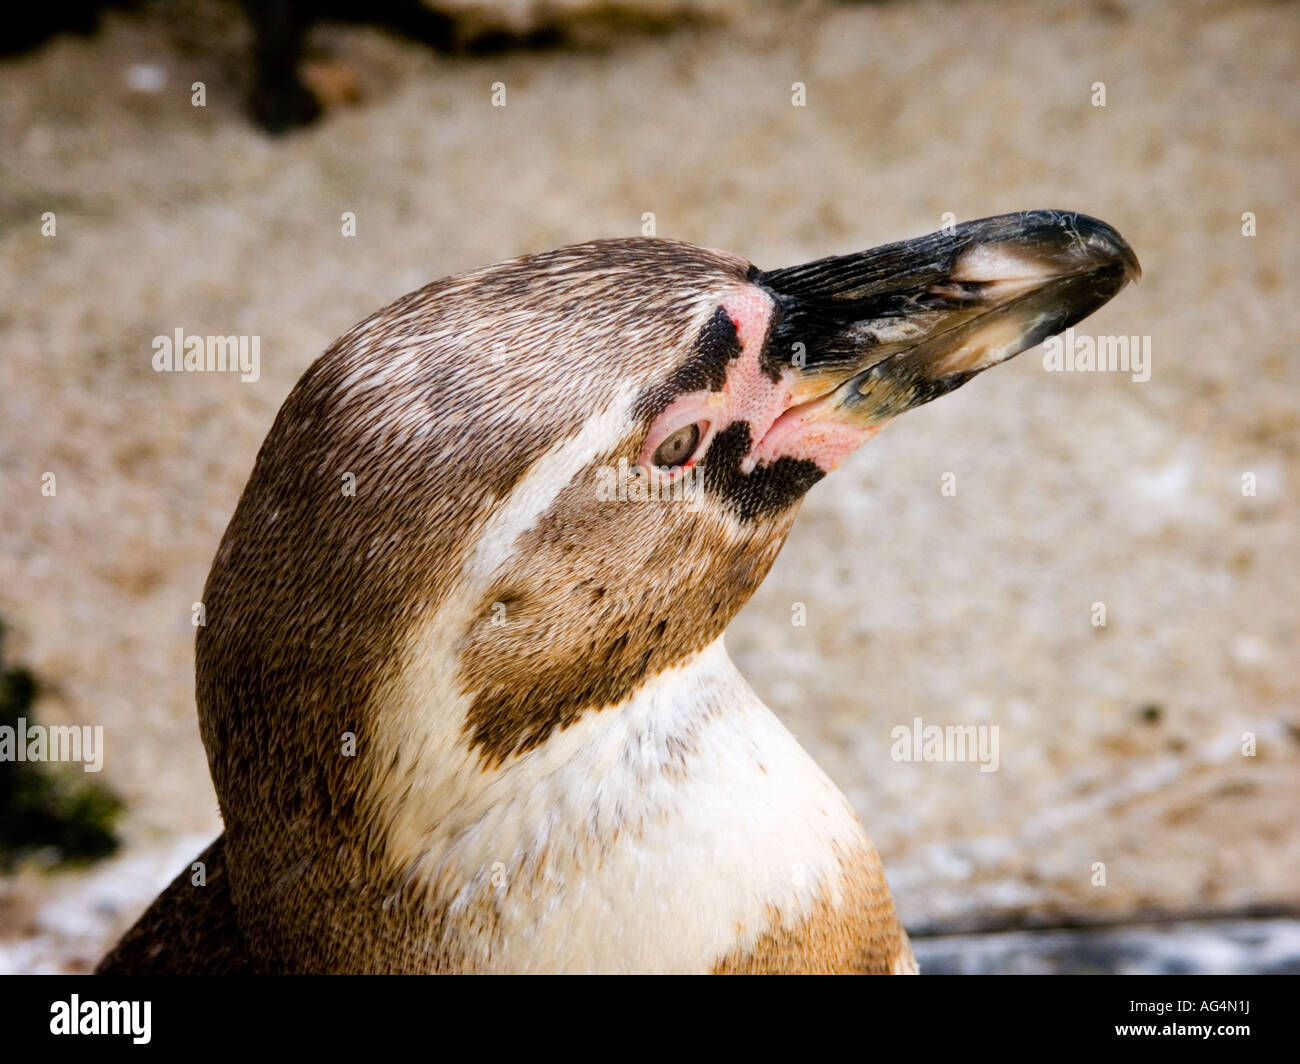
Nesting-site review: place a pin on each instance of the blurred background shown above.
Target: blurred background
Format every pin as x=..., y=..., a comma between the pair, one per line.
x=1162, y=747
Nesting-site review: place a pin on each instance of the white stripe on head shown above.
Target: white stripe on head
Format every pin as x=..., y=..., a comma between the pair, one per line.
x=549, y=474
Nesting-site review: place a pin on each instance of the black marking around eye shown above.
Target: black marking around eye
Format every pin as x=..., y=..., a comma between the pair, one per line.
x=717, y=346
x=766, y=489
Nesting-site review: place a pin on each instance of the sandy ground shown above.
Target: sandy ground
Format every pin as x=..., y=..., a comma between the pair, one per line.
x=1072, y=489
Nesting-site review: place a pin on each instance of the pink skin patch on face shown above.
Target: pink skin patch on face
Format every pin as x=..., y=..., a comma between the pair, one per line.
x=779, y=429
x=810, y=434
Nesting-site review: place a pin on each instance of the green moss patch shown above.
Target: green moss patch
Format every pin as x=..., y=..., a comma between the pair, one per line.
x=47, y=810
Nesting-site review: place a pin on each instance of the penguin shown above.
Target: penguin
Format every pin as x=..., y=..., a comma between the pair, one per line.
x=463, y=687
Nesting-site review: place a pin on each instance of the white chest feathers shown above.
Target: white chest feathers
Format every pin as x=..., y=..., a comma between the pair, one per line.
x=658, y=835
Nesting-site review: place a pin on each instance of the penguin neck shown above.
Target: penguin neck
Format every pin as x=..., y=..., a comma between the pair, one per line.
x=689, y=792
x=603, y=764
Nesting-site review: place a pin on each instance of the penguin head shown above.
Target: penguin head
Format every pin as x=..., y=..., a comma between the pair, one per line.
x=568, y=471
x=715, y=396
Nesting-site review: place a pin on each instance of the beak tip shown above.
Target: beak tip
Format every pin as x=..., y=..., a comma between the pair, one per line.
x=1121, y=250
x=1106, y=239
x=1132, y=268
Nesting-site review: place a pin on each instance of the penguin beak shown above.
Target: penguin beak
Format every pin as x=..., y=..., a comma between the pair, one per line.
x=874, y=334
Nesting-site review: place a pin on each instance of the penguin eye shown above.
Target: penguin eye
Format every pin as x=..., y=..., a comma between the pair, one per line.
x=678, y=447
